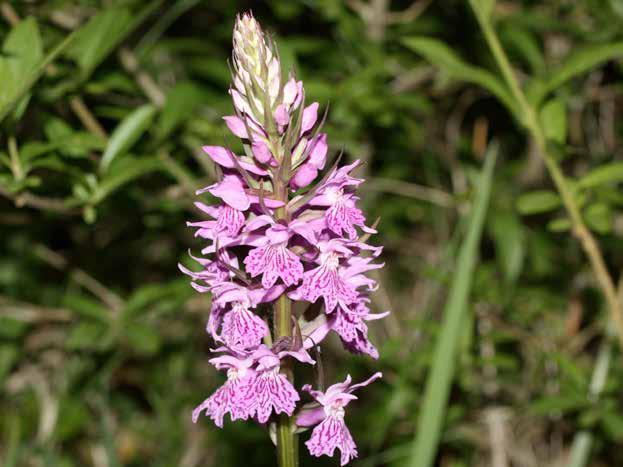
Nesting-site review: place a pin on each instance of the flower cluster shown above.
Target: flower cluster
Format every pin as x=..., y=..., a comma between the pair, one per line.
x=277, y=237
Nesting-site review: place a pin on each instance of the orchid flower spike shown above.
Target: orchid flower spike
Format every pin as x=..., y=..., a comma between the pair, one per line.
x=280, y=231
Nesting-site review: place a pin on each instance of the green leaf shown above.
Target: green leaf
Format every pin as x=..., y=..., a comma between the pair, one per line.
x=86, y=336
x=554, y=121
x=89, y=214
x=571, y=371
x=578, y=62
x=562, y=224
x=142, y=338
x=103, y=33
x=8, y=356
x=127, y=133
x=99, y=36
x=11, y=95
x=524, y=43
x=612, y=424
x=12, y=441
x=155, y=296
x=599, y=218
x=606, y=173
x=67, y=141
x=80, y=144
x=538, y=201
x=11, y=328
x=181, y=101
x=123, y=172
x=87, y=308
x=22, y=52
x=510, y=243
x=442, y=367
x=72, y=417
x=109, y=81
x=439, y=54
x=562, y=403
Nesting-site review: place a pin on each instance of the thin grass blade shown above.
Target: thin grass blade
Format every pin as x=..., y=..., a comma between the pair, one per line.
x=583, y=440
x=443, y=365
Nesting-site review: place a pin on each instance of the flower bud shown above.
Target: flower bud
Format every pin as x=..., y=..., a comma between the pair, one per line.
x=257, y=71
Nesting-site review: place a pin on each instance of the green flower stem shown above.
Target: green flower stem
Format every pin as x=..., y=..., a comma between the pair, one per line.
x=287, y=452
x=529, y=117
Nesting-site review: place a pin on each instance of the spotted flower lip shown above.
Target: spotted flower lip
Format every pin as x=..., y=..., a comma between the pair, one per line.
x=325, y=281
x=331, y=432
x=274, y=233
x=350, y=325
x=271, y=391
x=338, y=275
x=232, y=320
x=242, y=328
x=274, y=261
x=271, y=258
x=229, y=398
x=254, y=386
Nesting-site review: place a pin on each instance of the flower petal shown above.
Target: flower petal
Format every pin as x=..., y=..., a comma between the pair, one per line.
x=304, y=176
x=330, y=434
x=236, y=126
x=310, y=115
x=223, y=157
x=261, y=151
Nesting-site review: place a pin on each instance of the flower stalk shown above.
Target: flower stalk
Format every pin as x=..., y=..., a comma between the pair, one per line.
x=529, y=118
x=287, y=452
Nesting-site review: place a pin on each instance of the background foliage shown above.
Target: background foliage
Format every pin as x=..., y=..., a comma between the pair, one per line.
x=104, y=108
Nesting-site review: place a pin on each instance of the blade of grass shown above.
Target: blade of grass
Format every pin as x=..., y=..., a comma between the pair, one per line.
x=127, y=133
x=442, y=369
x=583, y=440
x=397, y=404
x=13, y=435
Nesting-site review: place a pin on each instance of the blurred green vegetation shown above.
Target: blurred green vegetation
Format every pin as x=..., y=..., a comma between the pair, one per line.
x=104, y=106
